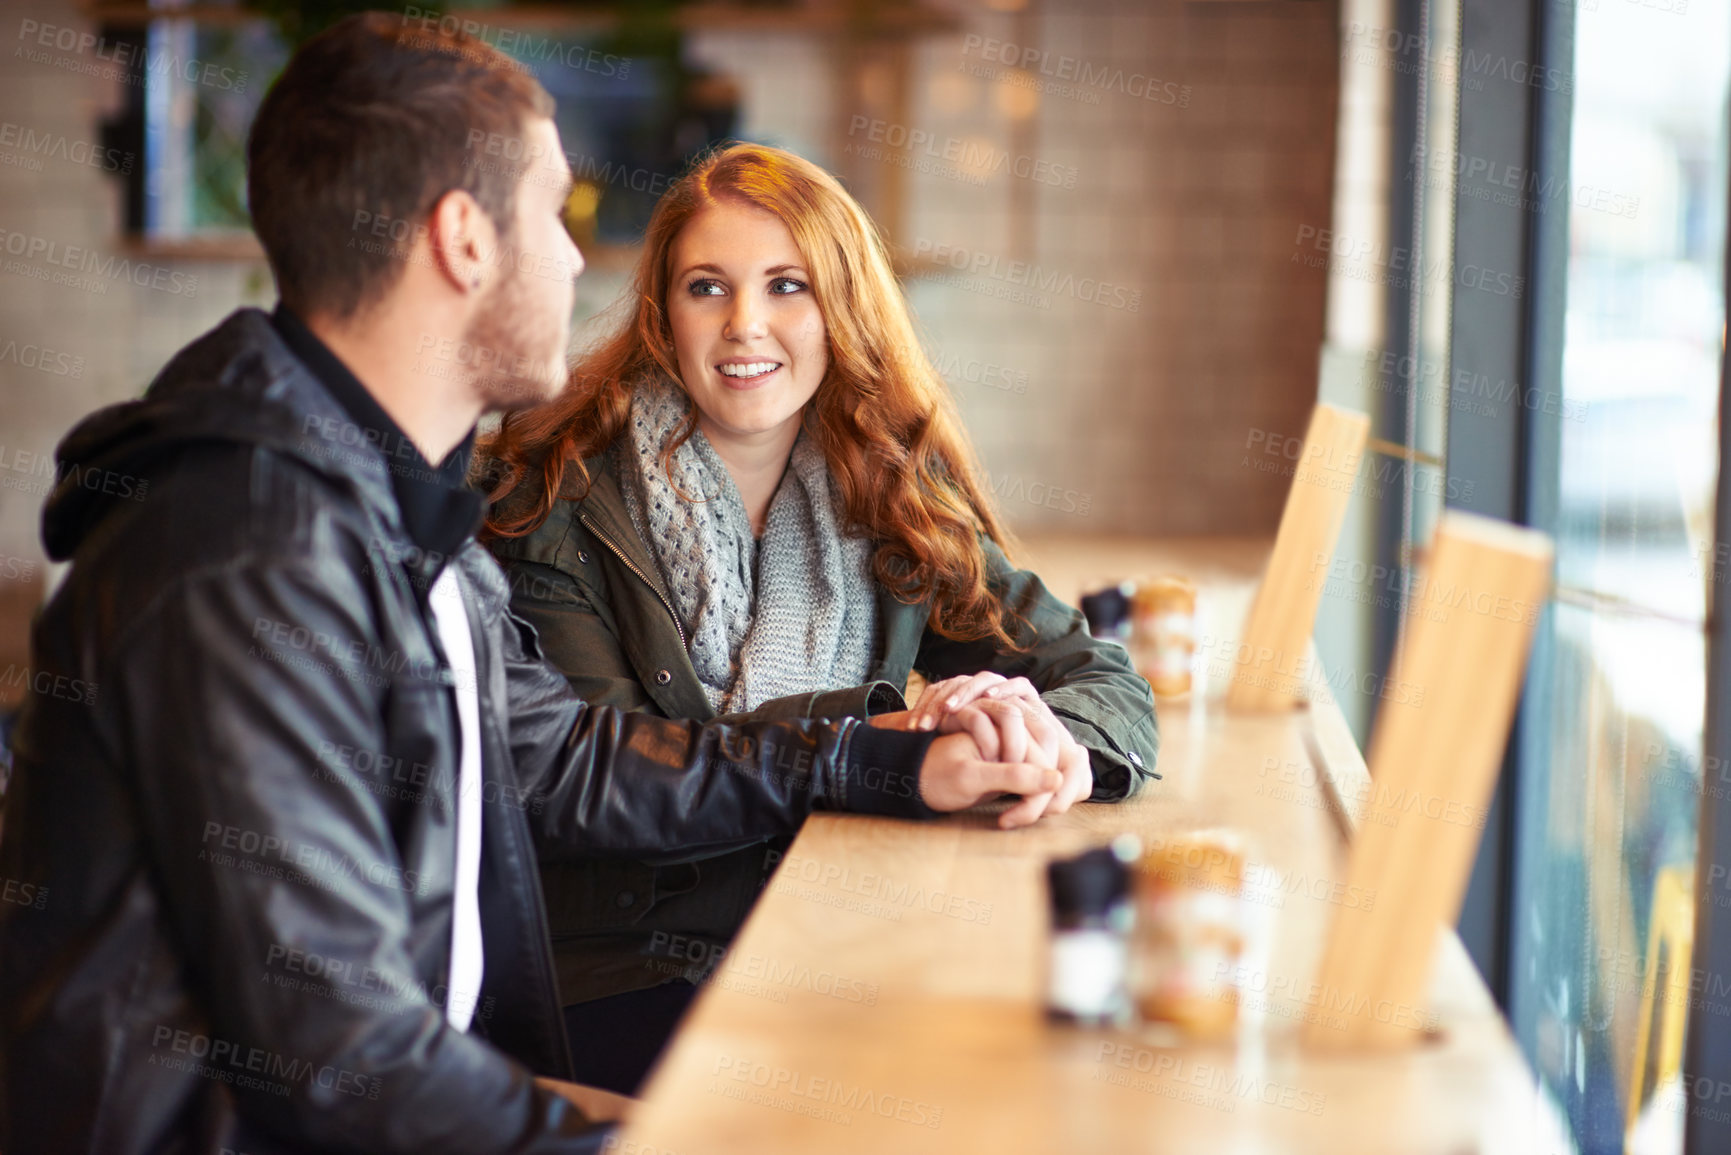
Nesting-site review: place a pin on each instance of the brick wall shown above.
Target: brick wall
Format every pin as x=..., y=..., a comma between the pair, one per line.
x=1089, y=415
x=106, y=337
x=1175, y=155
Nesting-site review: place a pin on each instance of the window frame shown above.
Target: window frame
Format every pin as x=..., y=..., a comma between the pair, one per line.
x=1514, y=459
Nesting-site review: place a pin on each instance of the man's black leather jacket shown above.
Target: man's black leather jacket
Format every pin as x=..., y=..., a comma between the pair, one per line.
x=229, y=847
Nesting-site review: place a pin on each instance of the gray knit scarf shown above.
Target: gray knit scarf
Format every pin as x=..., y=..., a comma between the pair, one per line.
x=794, y=614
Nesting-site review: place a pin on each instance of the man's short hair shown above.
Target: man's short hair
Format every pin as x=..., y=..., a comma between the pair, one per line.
x=370, y=124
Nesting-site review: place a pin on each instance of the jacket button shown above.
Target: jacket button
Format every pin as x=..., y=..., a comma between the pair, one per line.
x=626, y=898
x=662, y=677
x=583, y=556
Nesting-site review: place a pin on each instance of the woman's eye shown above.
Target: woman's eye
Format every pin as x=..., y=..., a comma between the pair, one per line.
x=785, y=285
x=704, y=287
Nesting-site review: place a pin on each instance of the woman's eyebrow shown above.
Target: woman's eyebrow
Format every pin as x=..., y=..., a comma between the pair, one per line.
x=772, y=271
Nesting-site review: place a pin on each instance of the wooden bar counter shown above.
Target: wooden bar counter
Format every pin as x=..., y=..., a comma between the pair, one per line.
x=886, y=995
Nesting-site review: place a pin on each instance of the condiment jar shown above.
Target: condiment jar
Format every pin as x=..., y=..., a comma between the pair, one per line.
x=1164, y=633
x=1190, y=932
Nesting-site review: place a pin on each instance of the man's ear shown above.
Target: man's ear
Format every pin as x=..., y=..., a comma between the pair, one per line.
x=463, y=240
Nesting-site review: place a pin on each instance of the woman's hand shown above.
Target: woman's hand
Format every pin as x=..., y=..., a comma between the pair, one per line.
x=952, y=694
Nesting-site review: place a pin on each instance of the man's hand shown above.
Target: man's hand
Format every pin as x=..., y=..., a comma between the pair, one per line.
x=1017, y=730
x=601, y=1106
x=1076, y=778
x=991, y=693
x=894, y=720
x=957, y=773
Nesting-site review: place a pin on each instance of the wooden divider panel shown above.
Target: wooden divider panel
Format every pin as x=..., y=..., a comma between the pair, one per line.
x=1269, y=669
x=1434, y=757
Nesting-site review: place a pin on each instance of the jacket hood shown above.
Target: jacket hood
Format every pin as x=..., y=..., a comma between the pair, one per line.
x=238, y=384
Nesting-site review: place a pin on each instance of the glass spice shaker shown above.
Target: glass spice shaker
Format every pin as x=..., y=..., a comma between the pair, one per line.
x=1091, y=917
x=1108, y=611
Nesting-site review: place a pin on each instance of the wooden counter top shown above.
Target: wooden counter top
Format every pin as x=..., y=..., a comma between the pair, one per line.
x=885, y=995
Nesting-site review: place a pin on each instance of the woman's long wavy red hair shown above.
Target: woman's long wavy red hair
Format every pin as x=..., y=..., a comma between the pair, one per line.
x=906, y=472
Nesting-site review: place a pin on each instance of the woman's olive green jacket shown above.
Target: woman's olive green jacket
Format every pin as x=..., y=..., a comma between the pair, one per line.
x=592, y=590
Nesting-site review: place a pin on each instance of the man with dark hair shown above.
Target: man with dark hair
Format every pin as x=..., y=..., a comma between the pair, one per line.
x=276, y=812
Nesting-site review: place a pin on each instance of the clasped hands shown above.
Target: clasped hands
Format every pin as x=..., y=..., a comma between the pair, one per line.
x=996, y=736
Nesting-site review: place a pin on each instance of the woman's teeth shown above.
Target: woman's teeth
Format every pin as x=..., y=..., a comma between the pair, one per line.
x=754, y=369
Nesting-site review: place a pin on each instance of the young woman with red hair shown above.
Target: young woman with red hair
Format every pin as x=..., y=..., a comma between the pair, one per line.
x=755, y=497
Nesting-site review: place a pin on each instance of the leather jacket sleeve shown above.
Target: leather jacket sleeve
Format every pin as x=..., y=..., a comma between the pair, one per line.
x=263, y=844
x=623, y=783
x=863, y=701
x=1089, y=684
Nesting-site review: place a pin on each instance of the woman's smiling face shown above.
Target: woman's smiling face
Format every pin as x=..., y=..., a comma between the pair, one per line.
x=747, y=330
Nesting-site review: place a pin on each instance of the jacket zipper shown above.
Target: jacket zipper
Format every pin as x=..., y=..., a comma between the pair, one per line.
x=632, y=566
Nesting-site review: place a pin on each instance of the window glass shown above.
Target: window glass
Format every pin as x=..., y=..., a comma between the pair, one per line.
x=1614, y=773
